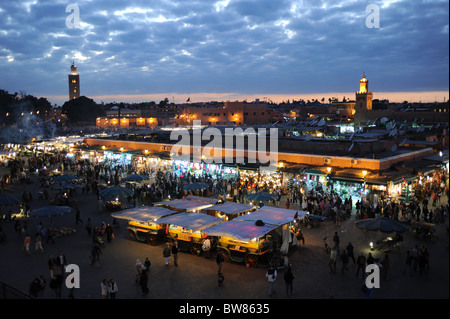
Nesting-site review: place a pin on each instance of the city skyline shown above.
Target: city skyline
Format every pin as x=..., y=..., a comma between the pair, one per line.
x=225, y=50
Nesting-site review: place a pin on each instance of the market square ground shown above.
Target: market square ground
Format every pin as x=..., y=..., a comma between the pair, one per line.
x=196, y=277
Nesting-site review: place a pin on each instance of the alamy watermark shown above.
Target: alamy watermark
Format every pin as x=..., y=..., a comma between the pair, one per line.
x=373, y=17
x=373, y=276
x=73, y=19
x=234, y=150
x=73, y=278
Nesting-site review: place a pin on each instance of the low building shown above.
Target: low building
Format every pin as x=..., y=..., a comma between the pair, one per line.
x=227, y=113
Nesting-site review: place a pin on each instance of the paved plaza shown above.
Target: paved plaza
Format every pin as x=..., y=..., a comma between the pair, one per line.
x=196, y=277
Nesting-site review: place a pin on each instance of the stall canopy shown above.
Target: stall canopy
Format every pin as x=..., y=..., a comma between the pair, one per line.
x=231, y=208
x=192, y=221
x=204, y=199
x=185, y=205
x=273, y=215
x=144, y=213
x=243, y=230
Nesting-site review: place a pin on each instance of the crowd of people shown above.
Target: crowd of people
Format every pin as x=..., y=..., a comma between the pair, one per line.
x=168, y=184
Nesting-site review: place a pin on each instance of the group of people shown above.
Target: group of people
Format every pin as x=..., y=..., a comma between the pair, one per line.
x=109, y=288
x=272, y=274
x=142, y=270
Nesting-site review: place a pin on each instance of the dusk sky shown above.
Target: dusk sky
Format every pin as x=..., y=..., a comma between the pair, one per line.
x=133, y=51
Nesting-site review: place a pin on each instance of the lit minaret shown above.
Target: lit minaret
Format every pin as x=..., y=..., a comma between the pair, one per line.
x=364, y=96
x=74, y=82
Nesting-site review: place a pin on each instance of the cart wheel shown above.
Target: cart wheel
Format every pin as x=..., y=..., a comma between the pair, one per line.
x=194, y=248
x=433, y=238
x=252, y=259
x=131, y=235
x=308, y=226
x=151, y=240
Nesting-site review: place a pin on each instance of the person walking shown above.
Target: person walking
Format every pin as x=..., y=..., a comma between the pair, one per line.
x=336, y=241
x=271, y=276
x=109, y=233
x=143, y=282
x=77, y=216
x=39, y=243
x=415, y=257
x=61, y=261
x=26, y=244
x=344, y=259
x=88, y=227
x=104, y=288
x=35, y=287
x=112, y=288
x=385, y=267
x=370, y=259
x=349, y=249
x=42, y=284
x=52, y=266
x=289, y=279
x=175, y=253
x=333, y=258
x=408, y=263
x=361, y=264
x=138, y=268
x=50, y=234
x=147, y=264
x=299, y=236
x=166, y=254
x=56, y=284
x=219, y=260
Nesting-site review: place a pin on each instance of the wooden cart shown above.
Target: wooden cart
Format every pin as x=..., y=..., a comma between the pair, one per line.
x=143, y=225
x=250, y=253
x=186, y=229
x=188, y=240
x=146, y=232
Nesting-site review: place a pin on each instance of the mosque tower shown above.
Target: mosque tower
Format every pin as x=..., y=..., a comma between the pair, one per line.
x=74, y=82
x=363, y=96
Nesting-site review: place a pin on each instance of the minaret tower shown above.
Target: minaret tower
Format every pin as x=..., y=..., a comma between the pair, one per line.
x=74, y=82
x=364, y=96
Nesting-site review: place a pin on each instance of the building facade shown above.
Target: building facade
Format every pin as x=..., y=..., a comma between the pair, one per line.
x=227, y=113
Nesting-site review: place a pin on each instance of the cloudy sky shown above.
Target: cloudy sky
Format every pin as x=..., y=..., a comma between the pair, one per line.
x=228, y=49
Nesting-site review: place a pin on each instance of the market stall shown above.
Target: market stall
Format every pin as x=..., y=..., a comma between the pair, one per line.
x=204, y=199
x=186, y=229
x=243, y=241
x=143, y=222
x=278, y=217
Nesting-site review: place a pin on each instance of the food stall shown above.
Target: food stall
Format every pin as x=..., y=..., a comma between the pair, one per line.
x=186, y=229
x=243, y=241
x=229, y=210
x=143, y=223
x=251, y=238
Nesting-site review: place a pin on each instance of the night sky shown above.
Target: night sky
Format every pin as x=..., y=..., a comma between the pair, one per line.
x=230, y=49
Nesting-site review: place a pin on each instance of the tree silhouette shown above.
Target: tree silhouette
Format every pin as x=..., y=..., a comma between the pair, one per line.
x=81, y=109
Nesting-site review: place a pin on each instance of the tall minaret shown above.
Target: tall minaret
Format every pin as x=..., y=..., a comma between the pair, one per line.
x=364, y=96
x=74, y=82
